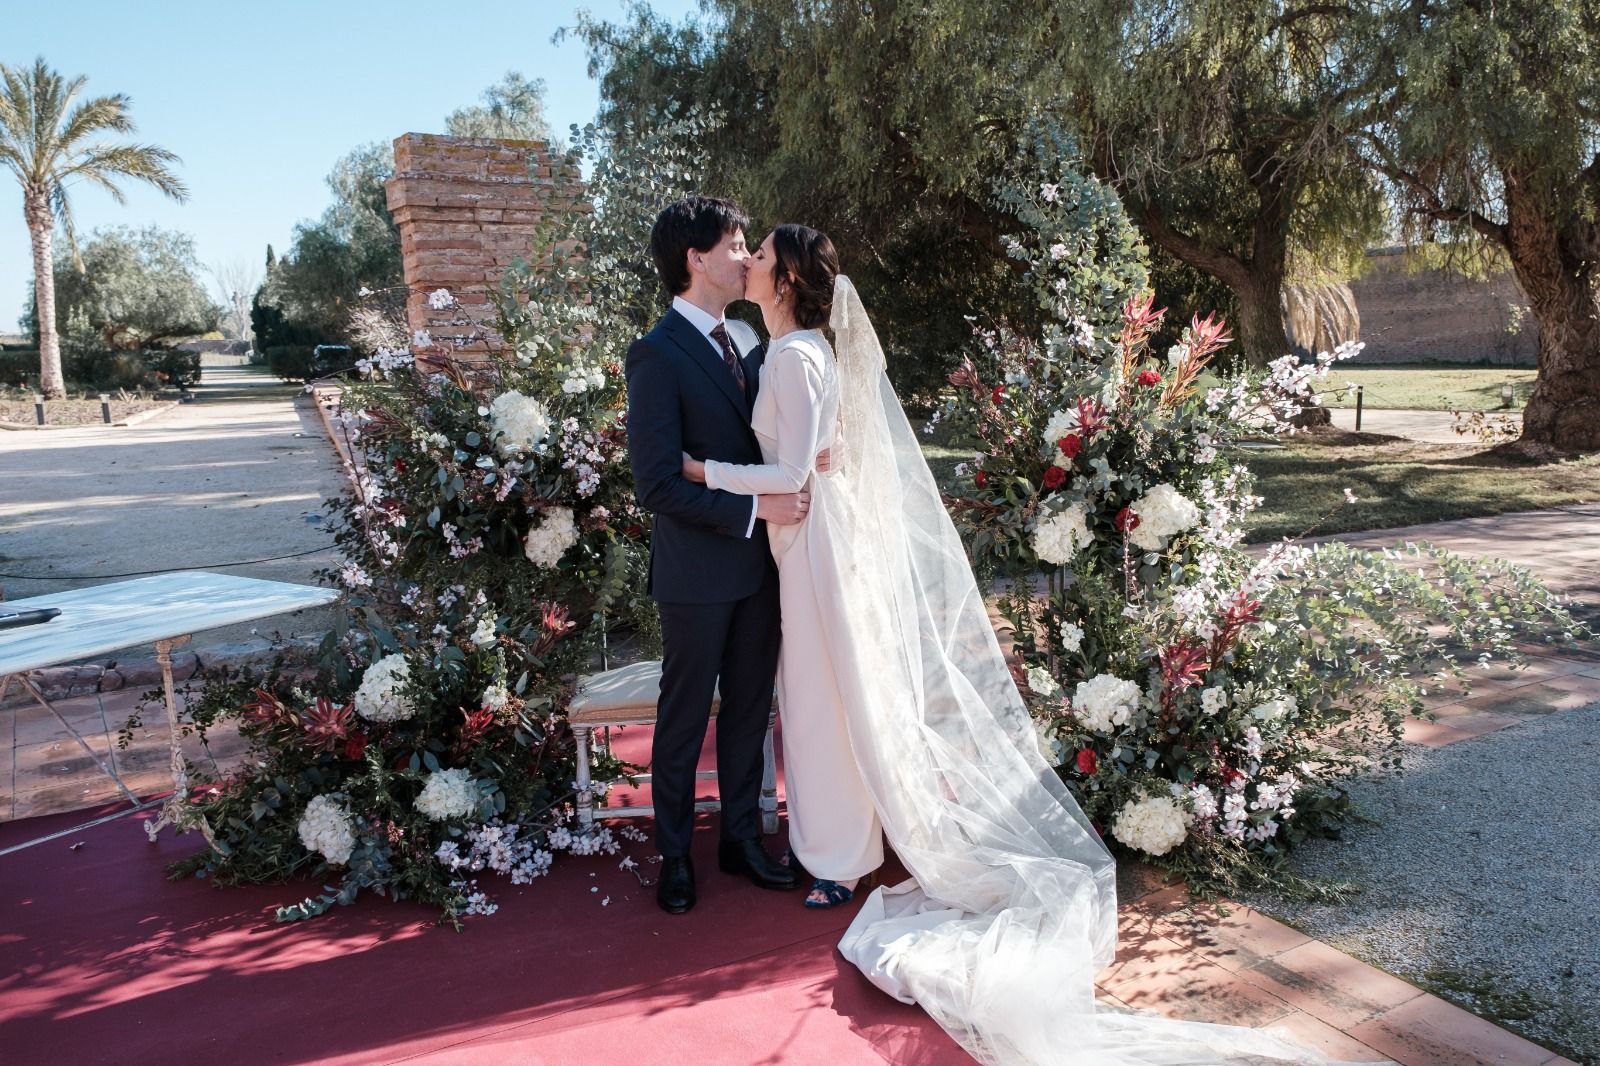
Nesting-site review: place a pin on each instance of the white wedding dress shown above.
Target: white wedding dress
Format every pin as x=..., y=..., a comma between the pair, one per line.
x=892, y=673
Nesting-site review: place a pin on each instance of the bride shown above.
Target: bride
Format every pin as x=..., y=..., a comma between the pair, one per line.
x=900, y=715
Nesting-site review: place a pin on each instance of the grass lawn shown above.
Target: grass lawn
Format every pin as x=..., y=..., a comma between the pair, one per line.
x=1423, y=388
x=1396, y=482
x=1402, y=483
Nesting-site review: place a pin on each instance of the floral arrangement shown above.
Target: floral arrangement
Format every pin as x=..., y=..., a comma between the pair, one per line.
x=492, y=548
x=1202, y=700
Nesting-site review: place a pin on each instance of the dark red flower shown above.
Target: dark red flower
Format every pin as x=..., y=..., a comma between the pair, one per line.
x=980, y=478
x=1091, y=417
x=1127, y=520
x=1070, y=445
x=634, y=530
x=355, y=746
x=1053, y=477
x=1149, y=377
x=1087, y=762
x=400, y=465
x=998, y=394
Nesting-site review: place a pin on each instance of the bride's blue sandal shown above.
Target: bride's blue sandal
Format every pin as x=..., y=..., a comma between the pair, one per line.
x=834, y=894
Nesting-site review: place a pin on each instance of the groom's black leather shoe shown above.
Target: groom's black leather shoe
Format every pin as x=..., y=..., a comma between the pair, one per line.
x=675, y=890
x=749, y=858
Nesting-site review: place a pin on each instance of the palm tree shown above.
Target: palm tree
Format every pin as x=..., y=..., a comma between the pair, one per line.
x=48, y=143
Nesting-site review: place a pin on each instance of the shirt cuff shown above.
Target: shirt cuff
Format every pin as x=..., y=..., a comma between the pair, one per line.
x=755, y=501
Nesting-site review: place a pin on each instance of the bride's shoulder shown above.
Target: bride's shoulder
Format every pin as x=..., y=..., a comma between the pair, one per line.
x=807, y=344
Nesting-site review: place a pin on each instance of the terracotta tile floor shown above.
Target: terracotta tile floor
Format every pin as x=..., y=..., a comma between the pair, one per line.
x=1243, y=968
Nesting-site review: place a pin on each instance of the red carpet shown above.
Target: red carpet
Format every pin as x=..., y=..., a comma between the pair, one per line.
x=104, y=960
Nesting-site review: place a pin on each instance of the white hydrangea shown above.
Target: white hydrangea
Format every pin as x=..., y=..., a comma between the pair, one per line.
x=548, y=541
x=380, y=697
x=1040, y=681
x=448, y=794
x=1163, y=512
x=1060, y=536
x=1071, y=637
x=1151, y=824
x=520, y=423
x=1104, y=702
x=327, y=827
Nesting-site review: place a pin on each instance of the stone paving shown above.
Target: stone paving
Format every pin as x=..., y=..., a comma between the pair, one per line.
x=1245, y=968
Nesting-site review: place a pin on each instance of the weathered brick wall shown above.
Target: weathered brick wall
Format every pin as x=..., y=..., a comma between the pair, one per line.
x=1433, y=316
x=467, y=208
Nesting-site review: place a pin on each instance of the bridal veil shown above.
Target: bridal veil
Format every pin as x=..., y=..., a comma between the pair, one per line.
x=1011, y=910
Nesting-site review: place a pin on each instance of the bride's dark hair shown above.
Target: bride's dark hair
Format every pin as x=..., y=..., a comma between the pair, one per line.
x=803, y=270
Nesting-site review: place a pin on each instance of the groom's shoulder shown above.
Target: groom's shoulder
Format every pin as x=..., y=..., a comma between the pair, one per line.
x=651, y=343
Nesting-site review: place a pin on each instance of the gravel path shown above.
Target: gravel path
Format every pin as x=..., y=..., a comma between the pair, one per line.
x=1481, y=878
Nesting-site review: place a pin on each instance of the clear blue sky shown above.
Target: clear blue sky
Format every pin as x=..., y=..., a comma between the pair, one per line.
x=259, y=100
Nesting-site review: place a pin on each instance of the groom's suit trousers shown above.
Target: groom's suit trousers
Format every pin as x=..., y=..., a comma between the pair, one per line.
x=703, y=643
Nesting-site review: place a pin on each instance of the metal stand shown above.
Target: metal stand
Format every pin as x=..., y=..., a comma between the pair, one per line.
x=584, y=782
x=176, y=811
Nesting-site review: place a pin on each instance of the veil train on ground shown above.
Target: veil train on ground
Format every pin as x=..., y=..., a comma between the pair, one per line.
x=1011, y=908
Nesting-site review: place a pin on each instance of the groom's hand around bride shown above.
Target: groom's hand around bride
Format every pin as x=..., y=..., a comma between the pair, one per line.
x=786, y=509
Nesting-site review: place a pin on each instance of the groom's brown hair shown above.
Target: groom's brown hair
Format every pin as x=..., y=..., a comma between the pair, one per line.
x=697, y=222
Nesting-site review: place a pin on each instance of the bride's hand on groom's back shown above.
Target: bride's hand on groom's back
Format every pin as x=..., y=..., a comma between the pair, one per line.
x=693, y=469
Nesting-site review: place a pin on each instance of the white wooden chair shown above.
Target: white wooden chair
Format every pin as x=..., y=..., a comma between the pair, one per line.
x=627, y=696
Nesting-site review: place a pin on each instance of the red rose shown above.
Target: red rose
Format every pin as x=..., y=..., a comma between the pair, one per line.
x=635, y=530
x=998, y=394
x=1127, y=521
x=1087, y=763
x=355, y=746
x=1070, y=445
x=1053, y=477
x=400, y=465
x=1149, y=377
x=980, y=478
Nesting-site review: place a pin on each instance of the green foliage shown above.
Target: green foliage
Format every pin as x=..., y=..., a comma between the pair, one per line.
x=512, y=108
x=291, y=362
x=130, y=289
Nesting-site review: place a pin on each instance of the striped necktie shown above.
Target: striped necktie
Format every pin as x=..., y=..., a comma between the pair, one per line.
x=719, y=333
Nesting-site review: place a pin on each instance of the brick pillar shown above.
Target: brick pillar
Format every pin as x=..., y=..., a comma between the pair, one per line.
x=467, y=208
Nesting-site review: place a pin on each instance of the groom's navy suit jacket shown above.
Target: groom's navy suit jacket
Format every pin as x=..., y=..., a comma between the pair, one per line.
x=682, y=398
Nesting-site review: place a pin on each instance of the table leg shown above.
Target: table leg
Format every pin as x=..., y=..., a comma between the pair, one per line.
x=177, y=811
x=33, y=690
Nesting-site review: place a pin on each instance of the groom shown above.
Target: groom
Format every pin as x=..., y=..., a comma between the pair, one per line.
x=691, y=387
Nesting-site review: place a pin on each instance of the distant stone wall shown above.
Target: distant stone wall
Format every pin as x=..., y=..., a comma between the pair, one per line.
x=467, y=208
x=1432, y=316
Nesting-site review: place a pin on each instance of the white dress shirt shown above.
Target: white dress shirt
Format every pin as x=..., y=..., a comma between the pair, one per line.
x=705, y=322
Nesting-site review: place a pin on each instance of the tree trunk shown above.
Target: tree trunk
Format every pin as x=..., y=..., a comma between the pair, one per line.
x=41, y=228
x=1563, y=414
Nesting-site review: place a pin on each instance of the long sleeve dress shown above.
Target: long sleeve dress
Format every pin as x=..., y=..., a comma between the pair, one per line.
x=833, y=825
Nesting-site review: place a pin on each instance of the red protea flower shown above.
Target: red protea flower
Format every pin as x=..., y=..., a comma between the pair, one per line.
x=1183, y=664
x=1091, y=417
x=355, y=746
x=1240, y=612
x=266, y=709
x=1140, y=318
x=966, y=377
x=476, y=725
x=1087, y=762
x=1070, y=445
x=1207, y=335
x=554, y=624
x=1149, y=377
x=1127, y=519
x=1054, y=476
x=326, y=723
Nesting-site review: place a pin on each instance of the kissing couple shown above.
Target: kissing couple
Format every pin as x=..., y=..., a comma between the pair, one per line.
x=799, y=540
